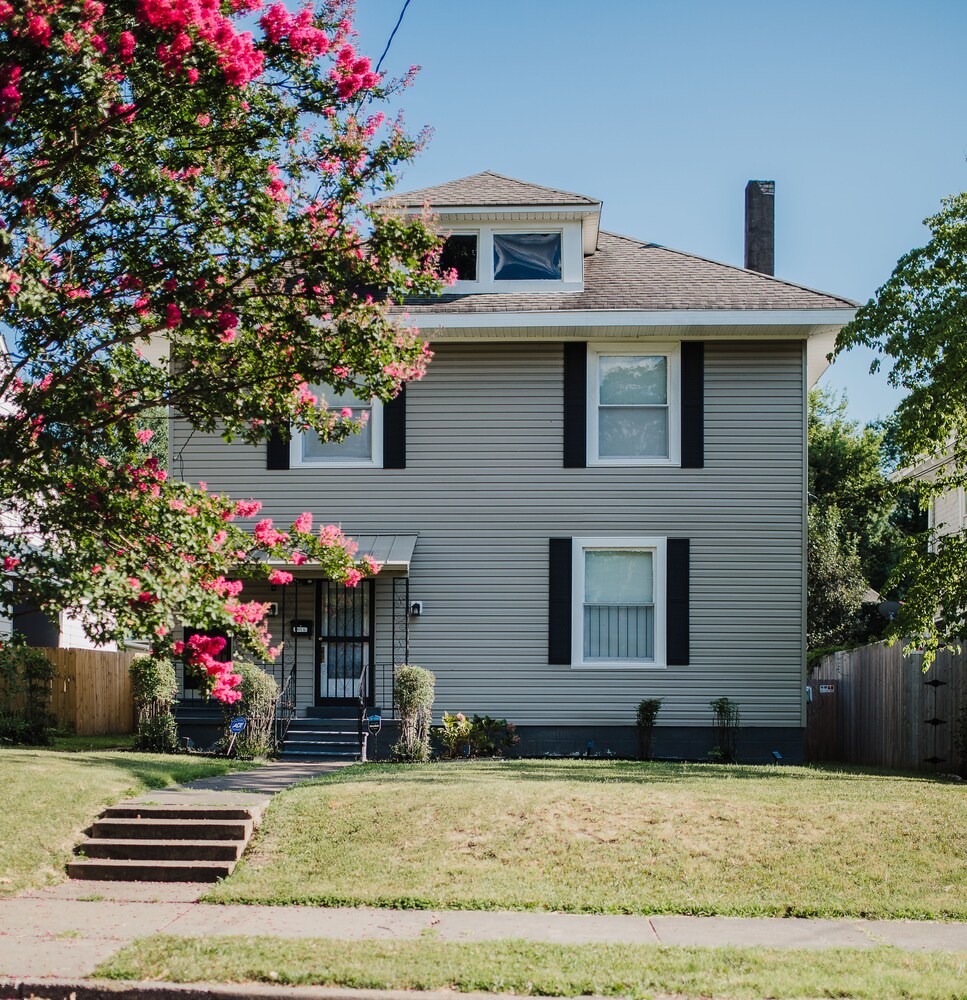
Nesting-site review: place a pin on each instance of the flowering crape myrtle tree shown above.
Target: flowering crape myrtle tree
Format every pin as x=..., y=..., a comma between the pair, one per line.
x=185, y=178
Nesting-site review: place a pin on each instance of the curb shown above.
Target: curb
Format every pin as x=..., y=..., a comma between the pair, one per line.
x=109, y=989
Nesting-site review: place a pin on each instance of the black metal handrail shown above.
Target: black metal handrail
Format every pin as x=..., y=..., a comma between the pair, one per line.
x=285, y=711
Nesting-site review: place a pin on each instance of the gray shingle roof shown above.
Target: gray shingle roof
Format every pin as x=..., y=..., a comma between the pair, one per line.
x=486, y=188
x=628, y=274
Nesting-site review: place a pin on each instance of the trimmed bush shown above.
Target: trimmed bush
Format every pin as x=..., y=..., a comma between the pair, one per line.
x=155, y=688
x=26, y=678
x=260, y=693
x=648, y=710
x=414, y=688
x=725, y=714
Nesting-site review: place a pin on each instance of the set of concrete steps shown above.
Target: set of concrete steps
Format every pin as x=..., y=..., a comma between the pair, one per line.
x=164, y=843
x=335, y=738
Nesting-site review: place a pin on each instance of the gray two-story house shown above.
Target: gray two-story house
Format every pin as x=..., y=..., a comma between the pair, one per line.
x=596, y=495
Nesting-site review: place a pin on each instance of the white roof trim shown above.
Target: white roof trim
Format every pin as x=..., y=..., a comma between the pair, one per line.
x=635, y=317
x=393, y=552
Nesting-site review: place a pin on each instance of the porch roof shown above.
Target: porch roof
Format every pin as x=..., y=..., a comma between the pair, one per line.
x=392, y=552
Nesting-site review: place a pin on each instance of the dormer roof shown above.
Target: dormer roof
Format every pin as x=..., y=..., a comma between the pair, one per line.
x=487, y=190
x=490, y=197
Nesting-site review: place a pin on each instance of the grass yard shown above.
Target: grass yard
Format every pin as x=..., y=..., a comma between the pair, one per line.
x=528, y=969
x=49, y=796
x=602, y=836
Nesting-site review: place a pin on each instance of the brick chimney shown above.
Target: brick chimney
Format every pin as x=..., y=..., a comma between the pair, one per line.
x=760, y=226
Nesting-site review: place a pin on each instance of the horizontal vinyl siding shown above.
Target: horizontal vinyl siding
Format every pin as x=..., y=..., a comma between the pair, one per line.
x=485, y=488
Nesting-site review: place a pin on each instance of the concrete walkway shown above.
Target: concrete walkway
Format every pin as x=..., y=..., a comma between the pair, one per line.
x=66, y=930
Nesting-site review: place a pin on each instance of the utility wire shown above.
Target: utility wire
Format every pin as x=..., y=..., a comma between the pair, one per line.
x=392, y=35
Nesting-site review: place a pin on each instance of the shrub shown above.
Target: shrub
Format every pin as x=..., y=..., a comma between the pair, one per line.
x=260, y=693
x=414, y=701
x=648, y=710
x=454, y=735
x=490, y=737
x=26, y=677
x=725, y=715
x=155, y=688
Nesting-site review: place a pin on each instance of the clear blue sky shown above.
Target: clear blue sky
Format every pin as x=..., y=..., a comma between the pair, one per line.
x=858, y=111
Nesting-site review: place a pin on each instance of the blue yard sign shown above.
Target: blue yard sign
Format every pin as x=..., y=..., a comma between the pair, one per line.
x=237, y=725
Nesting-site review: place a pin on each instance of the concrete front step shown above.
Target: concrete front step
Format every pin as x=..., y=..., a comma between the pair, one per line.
x=179, y=812
x=113, y=870
x=162, y=850
x=171, y=829
x=164, y=843
x=310, y=755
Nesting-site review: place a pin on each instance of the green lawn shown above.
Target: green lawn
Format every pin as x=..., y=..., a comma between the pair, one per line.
x=614, y=837
x=531, y=969
x=50, y=796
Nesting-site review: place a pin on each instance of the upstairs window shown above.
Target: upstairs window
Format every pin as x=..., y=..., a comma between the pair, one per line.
x=633, y=413
x=460, y=254
x=527, y=256
x=360, y=449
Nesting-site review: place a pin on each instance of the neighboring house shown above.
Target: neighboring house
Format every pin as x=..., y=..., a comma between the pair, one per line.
x=595, y=496
x=947, y=512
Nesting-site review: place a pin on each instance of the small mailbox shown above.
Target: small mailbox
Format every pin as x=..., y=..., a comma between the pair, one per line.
x=301, y=626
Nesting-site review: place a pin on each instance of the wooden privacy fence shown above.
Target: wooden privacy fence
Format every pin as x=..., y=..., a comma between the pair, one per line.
x=873, y=705
x=92, y=691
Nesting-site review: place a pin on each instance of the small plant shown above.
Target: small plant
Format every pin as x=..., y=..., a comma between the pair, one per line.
x=648, y=710
x=725, y=714
x=155, y=688
x=491, y=737
x=454, y=735
x=414, y=700
x=26, y=677
x=260, y=693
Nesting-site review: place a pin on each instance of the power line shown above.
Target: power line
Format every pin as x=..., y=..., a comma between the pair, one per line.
x=392, y=35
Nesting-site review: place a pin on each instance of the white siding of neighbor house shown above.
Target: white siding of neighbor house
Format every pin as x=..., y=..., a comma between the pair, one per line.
x=485, y=488
x=947, y=512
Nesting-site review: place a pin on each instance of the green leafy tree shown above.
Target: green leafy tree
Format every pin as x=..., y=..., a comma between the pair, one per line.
x=918, y=321
x=184, y=195
x=850, y=468
x=835, y=581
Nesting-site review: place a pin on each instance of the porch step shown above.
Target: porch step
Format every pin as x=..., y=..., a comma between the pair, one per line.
x=287, y=753
x=164, y=843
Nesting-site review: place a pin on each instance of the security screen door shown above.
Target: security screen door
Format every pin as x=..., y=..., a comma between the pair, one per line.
x=345, y=642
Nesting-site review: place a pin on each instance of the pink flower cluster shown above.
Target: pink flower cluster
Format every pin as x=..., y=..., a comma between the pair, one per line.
x=201, y=651
x=267, y=536
x=352, y=73
x=9, y=93
x=303, y=36
x=240, y=60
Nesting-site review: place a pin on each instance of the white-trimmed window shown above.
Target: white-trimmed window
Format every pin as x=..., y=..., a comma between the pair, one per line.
x=633, y=404
x=515, y=256
x=618, y=602
x=361, y=450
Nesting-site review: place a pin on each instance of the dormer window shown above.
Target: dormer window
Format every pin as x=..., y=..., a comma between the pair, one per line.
x=460, y=254
x=512, y=256
x=527, y=256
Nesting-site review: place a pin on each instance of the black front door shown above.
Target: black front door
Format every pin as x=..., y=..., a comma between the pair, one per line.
x=344, y=649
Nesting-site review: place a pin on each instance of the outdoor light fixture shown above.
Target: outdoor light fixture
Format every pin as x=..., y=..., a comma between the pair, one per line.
x=416, y=608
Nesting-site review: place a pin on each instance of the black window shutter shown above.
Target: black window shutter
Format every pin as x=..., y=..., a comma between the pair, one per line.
x=277, y=450
x=676, y=599
x=394, y=431
x=575, y=405
x=693, y=404
x=559, y=601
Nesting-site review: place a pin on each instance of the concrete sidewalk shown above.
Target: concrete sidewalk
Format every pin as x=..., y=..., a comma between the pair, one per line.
x=66, y=930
